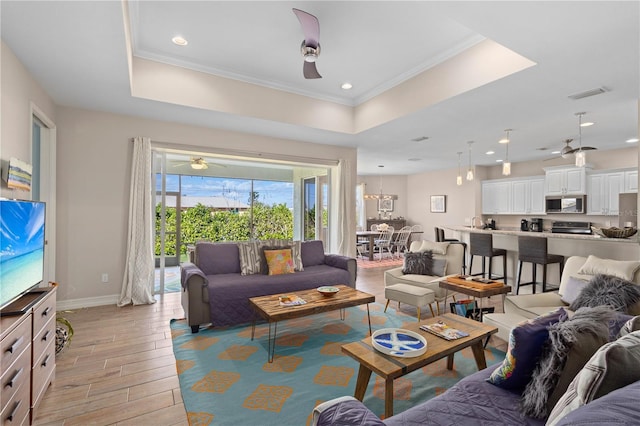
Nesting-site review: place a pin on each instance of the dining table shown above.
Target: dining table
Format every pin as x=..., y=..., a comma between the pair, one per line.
x=371, y=235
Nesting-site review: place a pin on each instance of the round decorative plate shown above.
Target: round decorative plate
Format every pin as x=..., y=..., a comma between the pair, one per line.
x=328, y=290
x=399, y=342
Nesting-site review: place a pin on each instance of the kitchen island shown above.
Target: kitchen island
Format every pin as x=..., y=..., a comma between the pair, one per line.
x=563, y=244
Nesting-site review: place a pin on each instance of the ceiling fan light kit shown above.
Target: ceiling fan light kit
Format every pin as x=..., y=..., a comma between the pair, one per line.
x=199, y=164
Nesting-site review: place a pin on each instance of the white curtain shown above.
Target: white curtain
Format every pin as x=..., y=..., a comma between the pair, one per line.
x=361, y=211
x=343, y=233
x=137, y=285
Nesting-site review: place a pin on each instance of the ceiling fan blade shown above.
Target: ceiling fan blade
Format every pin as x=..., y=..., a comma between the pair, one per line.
x=584, y=148
x=310, y=28
x=310, y=71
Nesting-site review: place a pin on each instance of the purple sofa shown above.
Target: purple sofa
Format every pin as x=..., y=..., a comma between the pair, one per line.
x=215, y=292
x=474, y=401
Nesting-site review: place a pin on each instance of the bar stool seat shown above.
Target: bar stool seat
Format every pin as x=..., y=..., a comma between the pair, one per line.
x=534, y=250
x=481, y=244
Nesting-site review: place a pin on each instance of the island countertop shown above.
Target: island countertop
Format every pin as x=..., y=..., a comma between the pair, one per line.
x=516, y=232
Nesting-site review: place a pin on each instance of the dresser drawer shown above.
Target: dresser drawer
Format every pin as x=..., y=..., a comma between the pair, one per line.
x=44, y=337
x=42, y=372
x=16, y=342
x=19, y=374
x=44, y=311
x=16, y=410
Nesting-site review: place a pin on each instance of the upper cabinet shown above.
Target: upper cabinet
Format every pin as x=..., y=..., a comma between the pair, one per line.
x=604, y=189
x=565, y=180
x=513, y=196
x=631, y=180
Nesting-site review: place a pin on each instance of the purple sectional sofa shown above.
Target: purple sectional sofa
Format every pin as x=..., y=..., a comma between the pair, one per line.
x=214, y=291
x=473, y=401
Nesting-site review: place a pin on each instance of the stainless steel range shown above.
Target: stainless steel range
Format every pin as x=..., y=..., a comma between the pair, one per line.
x=562, y=227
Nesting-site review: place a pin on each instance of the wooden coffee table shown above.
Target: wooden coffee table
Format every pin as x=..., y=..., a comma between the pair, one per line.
x=474, y=290
x=390, y=368
x=268, y=307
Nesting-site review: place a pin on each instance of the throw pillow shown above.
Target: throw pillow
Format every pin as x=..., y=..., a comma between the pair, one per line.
x=420, y=263
x=571, y=343
x=249, y=257
x=264, y=266
x=296, y=250
x=630, y=326
x=613, y=366
x=279, y=261
x=572, y=289
x=435, y=248
x=618, y=268
x=439, y=267
x=523, y=351
x=607, y=290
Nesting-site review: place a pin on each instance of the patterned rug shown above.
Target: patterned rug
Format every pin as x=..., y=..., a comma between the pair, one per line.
x=225, y=378
x=386, y=262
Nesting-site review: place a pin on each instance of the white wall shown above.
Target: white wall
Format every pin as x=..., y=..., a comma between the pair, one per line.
x=94, y=160
x=391, y=184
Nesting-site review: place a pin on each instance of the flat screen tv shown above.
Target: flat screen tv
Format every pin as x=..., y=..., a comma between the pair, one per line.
x=21, y=248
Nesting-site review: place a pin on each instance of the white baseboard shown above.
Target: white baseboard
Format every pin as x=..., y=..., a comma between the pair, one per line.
x=89, y=302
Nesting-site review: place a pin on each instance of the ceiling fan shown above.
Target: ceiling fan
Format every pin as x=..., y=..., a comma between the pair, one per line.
x=196, y=163
x=310, y=47
x=568, y=151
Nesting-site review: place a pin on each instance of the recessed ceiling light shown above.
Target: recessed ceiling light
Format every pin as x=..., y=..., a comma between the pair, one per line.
x=490, y=152
x=632, y=140
x=180, y=41
x=499, y=160
x=587, y=124
x=346, y=86
x=555, y=152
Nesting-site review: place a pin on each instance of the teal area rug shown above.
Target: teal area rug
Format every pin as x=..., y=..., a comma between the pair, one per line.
x=225, y=378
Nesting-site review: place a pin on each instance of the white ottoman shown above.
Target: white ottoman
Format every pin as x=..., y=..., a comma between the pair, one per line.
x=411, y=295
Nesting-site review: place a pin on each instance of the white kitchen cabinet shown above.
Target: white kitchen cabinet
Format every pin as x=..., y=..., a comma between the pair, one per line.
x=603, y=193
x=496, y=197
x=631, y=180
x=565, y=180
x=527, y=196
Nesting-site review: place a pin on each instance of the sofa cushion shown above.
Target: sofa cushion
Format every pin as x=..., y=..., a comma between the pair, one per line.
x=434, y=247
x=608, y=290
x=249, y=252
x=218, y=258
x=571, y=344
x=439, y=267
x=312, y=253
x=613, y=366
x=523, y=352
x=420, y=263
x=618, y=268
x=573, y=288
x=279, y=261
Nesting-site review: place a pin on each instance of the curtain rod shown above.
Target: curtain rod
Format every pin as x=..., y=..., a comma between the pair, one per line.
x=239, y=153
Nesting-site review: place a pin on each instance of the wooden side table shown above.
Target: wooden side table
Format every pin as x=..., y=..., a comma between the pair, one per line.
x=474, y=291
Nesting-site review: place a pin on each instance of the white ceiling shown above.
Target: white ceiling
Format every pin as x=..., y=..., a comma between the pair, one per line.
x=78, y=51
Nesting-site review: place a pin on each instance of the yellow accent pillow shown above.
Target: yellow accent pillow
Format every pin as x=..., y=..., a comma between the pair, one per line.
x=279, y=261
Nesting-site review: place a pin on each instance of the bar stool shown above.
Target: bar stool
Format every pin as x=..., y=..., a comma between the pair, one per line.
x=440, y=238
x=534, y=251
x=481, y=244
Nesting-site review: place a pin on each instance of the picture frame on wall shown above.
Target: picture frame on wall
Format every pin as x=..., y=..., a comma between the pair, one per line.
x=385, y=205
x=438, y=203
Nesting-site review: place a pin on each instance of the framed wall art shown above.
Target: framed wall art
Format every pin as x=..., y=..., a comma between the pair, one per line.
x=385, y=205
x=438, y=203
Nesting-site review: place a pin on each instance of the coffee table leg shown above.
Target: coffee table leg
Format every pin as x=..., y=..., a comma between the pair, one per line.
x=364, y=374
x=450, y=362
x=272, y=342
x=342, y=314
x=253, y=329
x=388, y=398
x=478, y=353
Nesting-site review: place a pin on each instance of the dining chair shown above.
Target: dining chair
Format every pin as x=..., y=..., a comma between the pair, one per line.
x=401, y=241
x=384, y=242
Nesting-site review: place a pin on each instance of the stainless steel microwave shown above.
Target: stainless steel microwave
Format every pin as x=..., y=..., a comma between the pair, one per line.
x=575, y=204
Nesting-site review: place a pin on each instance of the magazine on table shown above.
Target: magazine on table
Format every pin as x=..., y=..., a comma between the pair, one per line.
x=443, y=330
x=291, y=300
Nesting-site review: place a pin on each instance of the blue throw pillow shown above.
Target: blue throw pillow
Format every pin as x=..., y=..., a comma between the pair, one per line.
x=525, y=347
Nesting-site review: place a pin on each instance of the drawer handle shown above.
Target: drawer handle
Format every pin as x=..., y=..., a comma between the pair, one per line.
x=46, y=311
x=11, y=349
x=14, y=379
x=14, y=412
x=46, y=360
x=46, y=336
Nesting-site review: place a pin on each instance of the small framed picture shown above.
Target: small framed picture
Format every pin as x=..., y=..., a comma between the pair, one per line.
x=438, y=203
x=385, y=205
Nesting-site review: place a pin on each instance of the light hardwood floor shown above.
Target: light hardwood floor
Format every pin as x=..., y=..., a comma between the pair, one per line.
x=120, y=368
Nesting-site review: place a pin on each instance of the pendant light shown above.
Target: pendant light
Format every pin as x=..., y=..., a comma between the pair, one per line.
x=459, y=177
x=470, y=170
x=381, y=195
x=506, y=165
x=581, y=156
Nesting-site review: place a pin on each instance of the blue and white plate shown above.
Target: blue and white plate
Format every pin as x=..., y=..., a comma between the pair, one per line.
x=399, y=342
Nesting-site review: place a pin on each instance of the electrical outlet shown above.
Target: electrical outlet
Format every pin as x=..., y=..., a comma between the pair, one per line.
x=105, y=278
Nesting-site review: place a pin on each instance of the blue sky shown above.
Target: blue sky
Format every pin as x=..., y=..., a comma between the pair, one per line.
x=270, y=192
